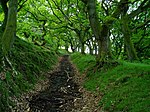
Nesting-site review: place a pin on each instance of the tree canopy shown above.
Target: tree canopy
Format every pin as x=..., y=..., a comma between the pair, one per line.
x=110, y=29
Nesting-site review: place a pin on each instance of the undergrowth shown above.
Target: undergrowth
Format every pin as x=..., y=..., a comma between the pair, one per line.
x=29, y=62
x=124, y=88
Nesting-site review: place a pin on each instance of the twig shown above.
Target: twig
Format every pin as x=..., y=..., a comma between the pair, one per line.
x=68, y=76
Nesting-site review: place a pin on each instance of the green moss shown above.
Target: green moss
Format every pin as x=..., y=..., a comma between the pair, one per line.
x=30, y=62
x=124, y=87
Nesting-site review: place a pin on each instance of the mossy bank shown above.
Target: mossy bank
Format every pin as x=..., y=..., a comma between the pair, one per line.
x=22, y=69
x=124, y=87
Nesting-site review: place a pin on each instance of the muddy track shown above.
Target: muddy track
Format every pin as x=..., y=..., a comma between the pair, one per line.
x=61, y=93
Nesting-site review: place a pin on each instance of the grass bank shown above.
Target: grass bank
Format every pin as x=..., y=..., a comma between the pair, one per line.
x=124, y=88
x=22, y=69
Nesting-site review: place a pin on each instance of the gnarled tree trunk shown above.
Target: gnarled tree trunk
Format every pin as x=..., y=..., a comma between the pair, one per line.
x=10, y=29
x=131, y=53
x=129, y=47
x=101, y=33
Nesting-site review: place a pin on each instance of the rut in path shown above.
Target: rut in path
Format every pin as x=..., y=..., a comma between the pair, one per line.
x=62, y=91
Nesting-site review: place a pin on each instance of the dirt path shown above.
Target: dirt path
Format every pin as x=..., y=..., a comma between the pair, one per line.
x=61, y=93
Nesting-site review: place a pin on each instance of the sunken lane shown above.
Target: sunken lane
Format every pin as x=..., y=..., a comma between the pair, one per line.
x=61, y=93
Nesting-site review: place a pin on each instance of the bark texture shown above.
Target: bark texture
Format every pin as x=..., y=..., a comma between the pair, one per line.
x=131, y=53
x=101, y=32
x=10, y=30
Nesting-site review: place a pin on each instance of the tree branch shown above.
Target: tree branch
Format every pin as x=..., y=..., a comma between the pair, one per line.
x=142, y=25
x=143, y=7
x=61, y=11
x=53, y=11
x=21, y=5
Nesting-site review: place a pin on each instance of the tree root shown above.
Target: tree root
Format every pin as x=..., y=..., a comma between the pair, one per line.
x=5, y=62
x=105, y=65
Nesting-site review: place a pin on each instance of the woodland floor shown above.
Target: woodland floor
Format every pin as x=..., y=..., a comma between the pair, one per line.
x=62, y=92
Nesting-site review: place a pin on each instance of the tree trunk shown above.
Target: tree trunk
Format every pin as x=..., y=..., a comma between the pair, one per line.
x=10, y=30
x=96, y=49
x=104, y=45
x=66, y=46
x=101, y=32
x=72, y=47
x=131, y=53
x=90, y=48
x=81, y=41
x=82, y=48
